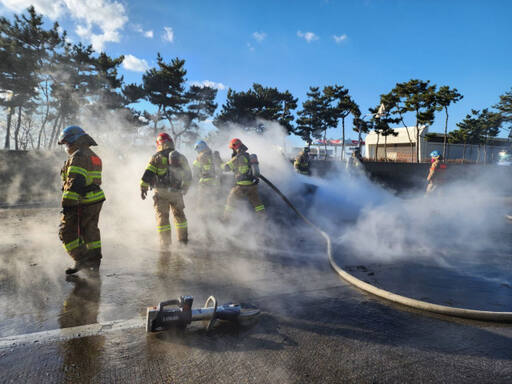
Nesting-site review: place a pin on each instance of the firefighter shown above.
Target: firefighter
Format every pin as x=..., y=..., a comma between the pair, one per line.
x=217, y=160
x=204, y=165
x=169, y=175
x=205, y=173
x=82, y=199
x=436, y=172
x=246, y=171
x=302, y=162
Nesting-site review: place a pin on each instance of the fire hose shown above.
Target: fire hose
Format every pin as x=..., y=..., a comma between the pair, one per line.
x=393, y=297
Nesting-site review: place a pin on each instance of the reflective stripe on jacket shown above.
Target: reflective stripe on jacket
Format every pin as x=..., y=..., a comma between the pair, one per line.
x=240, y=165
x=160, y=174
x=204, y=167
x=81, y=177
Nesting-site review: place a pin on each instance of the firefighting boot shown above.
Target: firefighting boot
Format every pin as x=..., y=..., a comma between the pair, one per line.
x=165, y=240
x=79, y=255
x=182, y=232
x=90, y=261
x=183, y=243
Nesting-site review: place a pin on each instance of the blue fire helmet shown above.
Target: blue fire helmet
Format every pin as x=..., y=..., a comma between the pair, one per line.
x=70, y=134
x=435, y=154
x=200, y=146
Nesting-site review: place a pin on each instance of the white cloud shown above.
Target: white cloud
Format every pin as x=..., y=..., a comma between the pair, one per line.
x=109, y=16
x=149, y=34
x=168, y=34
x=208, y=83
x=339, y=39
x=308, y=36
x=132, y=63
x=50, y=8
x=259, y=36
x=251, y=48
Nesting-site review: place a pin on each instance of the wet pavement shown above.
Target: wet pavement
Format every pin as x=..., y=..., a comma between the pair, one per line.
x=314, y=327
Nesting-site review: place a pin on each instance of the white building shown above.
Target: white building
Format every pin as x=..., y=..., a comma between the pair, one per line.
x=403, y=147
x=397, y=148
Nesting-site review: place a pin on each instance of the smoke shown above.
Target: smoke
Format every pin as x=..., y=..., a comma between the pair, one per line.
x=461, y=225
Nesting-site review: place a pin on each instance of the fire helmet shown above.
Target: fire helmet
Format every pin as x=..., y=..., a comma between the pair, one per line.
x=435, y=154
x=70, y=134
x=164, y=141
x=200, y=146
x=235, y=144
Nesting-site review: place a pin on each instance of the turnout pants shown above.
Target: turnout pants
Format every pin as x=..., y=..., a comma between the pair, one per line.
x=208, y=202
x=242, y=192
x=163, y=200
x=79, y=232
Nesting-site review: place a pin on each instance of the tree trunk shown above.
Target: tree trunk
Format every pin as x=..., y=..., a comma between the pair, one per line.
x=445, y=133
x=62, y=125
x=8, y=129
x=155, y=124
x=485, y=150
x=417, y=140
x=43, y=125
x=343, y=138
x=409, y=137
x=54, y=131
x=464, y=152
x=17, y=130
x=325, y=144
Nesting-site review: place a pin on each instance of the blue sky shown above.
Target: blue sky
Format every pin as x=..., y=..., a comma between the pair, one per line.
x=366, y=45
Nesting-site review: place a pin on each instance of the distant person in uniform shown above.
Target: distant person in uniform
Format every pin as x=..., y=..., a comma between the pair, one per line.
x=505, y=160
x=302, y=162
x=436, y=172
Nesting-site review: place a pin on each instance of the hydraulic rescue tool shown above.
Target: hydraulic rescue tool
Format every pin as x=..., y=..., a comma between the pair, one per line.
x=179, y=313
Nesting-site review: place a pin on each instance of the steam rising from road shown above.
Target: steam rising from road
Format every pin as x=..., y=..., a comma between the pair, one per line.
x=462, y=224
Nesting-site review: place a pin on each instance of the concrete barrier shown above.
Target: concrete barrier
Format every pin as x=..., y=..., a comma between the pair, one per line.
x=30, y=177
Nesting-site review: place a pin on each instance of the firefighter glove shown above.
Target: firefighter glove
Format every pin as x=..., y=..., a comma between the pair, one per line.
x=143, y=193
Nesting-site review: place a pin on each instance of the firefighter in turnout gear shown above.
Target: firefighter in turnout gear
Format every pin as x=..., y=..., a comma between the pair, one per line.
x=436, y=172
x=82, y=199
x=169, y=175
x=302, y=162
x=205, y=173
x=204, y=165
x=246, y=170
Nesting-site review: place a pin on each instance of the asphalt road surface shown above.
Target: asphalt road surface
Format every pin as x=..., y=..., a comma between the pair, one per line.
x=314, y=327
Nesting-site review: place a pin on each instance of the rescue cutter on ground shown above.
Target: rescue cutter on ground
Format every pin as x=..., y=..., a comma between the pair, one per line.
x=179, y=313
